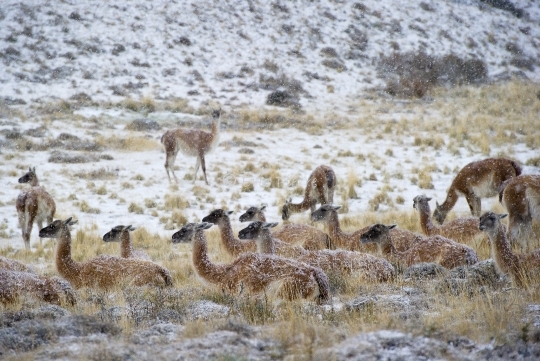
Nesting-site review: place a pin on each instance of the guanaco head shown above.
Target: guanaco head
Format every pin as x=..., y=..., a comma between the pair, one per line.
x=376, y=233
x=421, y=202
x=254, y=229
x=54, y=229
x=490, y=222
x=216, y=216
x=439, y=214
x=115, y=234
x=186, y=233
x=29, y=177
x=253, y=214
x=285, y=214
x=216, y=114
x=323, y=212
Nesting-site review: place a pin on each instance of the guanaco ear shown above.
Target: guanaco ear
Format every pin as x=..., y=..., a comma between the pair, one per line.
x=335, y=208
x=207, y=225
x=288, y=201
x=437, y=204
x=392, y=226
x=501, y=216
x=230, y=212
x=269, y=225
x=130, y=228
x=428, y=199
x=68, y=220
x=262, y=208
x=34, y=169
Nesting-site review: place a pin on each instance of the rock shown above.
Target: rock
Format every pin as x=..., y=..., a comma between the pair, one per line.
x=143, y=124
x=61, y=157
x=161, y=333
x=422, y=271
x=206, y=309
x=246, y=151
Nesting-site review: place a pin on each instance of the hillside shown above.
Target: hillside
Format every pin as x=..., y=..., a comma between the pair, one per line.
x=325, y=54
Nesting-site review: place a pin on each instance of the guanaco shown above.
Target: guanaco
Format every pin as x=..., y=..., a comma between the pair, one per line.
x=191, y=142
x=309, y=237
x=319, y=189
x=461, y=230
x=33, y=204
x=103, y=272
x=363, y=265
x=122, y=234
x=521, y=197
x=254, y=272
x=481, y=179
x=403, y=239
x=522, y=268
x=444, y=251
x=235, y=246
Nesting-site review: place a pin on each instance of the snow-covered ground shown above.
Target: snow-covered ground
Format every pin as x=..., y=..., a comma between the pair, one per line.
x=236, y=52
x=291, y=152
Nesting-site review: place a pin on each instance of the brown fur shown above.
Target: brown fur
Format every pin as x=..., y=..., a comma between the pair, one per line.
x=122, y=234
x=34, y=204
x=235, y=246
x=462, y=230
x=362, y=265
x=310, y=238
x=435, y=249
x=319, y=189
x=477, y=180
x=403, y=239
x=103, y=272
x=191, y=142
x=522, y=267
x=7, y=264
x=256, y=273
x=15, y=284
x=521, y=197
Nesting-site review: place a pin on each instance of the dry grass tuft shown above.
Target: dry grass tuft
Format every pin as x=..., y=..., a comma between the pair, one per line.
x=132, y=144
x=174, y=202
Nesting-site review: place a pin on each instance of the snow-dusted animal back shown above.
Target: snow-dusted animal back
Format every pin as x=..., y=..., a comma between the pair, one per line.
x=103, y=272
x=477, y=180
x=320, y=188
x=462, y=230
x=15, y=284
x=33, y=204
x=122, y=234
x=310, y=238
x=521, y=197
x=361, y=265
x=191, y=142
x=435, y=249
x=256, y=273
x=523, y=268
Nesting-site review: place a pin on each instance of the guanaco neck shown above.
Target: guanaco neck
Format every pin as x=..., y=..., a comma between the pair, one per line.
x=334, y=229
x=449, y=202
x=126, y=247
x=425, y=219
x=386, y=247
x=232, y=244
x=207, y=270
x=34, y=182
x=66, y=266
x=216, y=122
x=302, y=206
x=265, y=242
x=501, y=251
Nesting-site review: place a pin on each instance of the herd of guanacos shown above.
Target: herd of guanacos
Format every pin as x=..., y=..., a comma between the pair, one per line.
x=291, y=262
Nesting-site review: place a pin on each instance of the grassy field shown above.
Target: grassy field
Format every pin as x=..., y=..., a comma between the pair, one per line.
x=494, y=120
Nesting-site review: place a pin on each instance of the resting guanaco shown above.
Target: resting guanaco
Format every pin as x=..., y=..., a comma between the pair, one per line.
x=254, y=272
